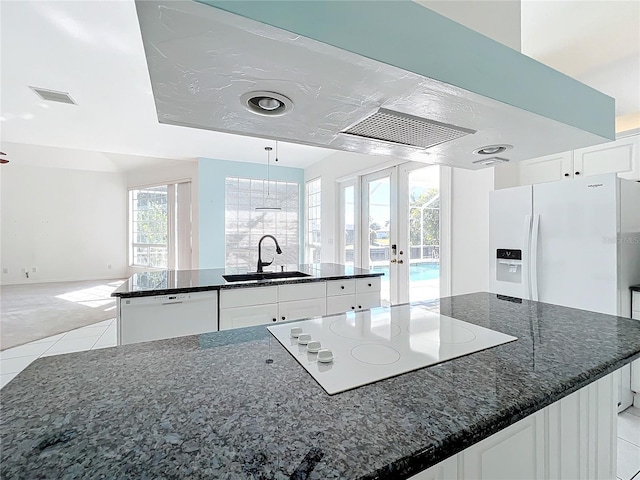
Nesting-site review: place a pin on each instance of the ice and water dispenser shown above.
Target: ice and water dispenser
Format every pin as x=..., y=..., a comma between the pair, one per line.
x=509, y=265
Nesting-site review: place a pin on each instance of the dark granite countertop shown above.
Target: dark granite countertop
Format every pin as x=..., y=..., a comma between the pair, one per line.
x=208, y=406
x=161, y=282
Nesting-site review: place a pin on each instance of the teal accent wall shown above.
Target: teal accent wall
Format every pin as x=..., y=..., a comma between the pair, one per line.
x=409, y=36
x=211, y=177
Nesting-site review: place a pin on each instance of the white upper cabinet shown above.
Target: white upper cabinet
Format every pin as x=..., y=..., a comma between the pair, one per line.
x=621, y=157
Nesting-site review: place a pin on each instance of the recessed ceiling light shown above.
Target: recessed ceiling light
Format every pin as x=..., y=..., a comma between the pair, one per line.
x=492, y=149
x=266, y=103
x=53, y=95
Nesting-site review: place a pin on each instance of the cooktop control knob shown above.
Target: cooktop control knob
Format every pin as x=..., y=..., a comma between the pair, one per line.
x=313, y=346
x=295, y=332
x=325, y=355
x=304, y=338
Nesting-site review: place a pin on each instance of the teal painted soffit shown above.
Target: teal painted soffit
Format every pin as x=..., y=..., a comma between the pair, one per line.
x=414, y=38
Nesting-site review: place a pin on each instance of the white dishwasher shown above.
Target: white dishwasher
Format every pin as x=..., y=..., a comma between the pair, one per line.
x=142, y=319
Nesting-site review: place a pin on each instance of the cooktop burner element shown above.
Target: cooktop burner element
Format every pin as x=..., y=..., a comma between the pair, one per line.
x=372, y=345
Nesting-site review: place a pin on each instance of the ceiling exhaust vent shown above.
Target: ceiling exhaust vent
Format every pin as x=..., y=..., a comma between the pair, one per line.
x=491, y=161
x=53, y=96
x=401, y=128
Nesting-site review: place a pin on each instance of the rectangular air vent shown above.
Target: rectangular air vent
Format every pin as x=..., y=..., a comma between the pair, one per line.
x=53, y=96
x=401, y=128
x=491, y=161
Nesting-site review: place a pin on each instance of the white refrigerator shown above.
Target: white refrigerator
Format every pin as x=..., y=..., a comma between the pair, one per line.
x=574, y=243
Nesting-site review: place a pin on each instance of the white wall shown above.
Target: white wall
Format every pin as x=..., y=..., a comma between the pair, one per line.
x=64, y=211
x=470, y=230
x=69, y=224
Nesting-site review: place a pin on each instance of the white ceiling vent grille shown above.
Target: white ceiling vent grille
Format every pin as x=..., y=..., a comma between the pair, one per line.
x=53, y=96
x=404, y=129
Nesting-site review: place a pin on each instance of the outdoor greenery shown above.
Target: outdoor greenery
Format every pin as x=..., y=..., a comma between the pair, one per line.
x=425, y=212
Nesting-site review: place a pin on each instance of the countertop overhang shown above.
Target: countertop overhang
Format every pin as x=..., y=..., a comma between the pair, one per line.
x=162, y=282
x=209, y=406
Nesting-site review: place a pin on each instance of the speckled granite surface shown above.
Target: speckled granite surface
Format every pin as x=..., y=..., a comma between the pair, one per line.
x=162, y=282
x=209, y=406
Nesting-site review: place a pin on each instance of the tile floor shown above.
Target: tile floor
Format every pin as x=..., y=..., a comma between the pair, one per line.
x=91, y=337
x=103, y=334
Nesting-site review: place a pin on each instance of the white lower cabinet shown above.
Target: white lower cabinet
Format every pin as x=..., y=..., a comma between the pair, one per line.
x=575, y=437
x=250, y=316
x=299, y=309
x=353, y=294
x=244, y=307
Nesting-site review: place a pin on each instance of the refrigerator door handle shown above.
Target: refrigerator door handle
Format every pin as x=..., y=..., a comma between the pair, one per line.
x=526, y=257
x=534, y=258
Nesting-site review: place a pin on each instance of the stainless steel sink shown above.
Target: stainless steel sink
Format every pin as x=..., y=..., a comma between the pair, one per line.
x=243, y=277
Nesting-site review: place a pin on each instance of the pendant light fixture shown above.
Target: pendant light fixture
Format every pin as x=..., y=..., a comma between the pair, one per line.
x=266, y=205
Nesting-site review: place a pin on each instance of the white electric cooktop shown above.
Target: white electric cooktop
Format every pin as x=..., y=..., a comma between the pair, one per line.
x=381, y=343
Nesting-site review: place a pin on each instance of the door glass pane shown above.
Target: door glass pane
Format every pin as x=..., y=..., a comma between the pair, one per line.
x=424, y=234
x=349, y=223
x=379, y=199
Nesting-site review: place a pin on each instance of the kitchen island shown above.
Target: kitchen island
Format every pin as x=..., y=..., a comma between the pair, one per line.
x=210, y=406
x=163, y=304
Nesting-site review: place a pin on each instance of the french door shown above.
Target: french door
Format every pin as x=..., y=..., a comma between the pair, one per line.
x=399, y=215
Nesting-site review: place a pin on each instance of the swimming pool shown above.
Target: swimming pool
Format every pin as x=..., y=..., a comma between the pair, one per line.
x=417, y=271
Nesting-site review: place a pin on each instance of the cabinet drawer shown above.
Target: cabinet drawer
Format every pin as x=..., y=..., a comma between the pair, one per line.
x=341, y=287
x=370, y=284
x=300, y=309
x=241, y=297
x=302, y=291
x=367, y=300
x=341, y=304
x=248, y=316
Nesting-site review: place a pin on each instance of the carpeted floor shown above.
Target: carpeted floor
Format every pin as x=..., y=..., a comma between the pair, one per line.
x=33, y=312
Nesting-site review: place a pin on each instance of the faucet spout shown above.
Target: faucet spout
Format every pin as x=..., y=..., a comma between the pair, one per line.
x=260, y=262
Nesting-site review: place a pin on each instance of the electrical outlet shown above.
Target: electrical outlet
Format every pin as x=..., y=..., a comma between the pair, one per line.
x=34, y=269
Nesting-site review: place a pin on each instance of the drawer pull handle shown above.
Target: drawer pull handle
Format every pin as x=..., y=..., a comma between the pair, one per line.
x=369, y=284
x=171, y=303
x=275, y=319
x=283, y=318
x=342, y=287
x=359, y=306
x=353, y=308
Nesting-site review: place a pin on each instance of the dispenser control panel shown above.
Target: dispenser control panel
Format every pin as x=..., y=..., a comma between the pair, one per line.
x=509, y=254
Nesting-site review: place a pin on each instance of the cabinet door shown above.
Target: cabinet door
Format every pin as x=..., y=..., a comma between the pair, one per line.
x=342, y=303
x=248, y=316
x=367, y=285
x=517, y=452
x=341, y=287
x=619, y=157
x=301, y=291
x=242, y=297
x=300, y=309
x=546, y=169
x=367, y=300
